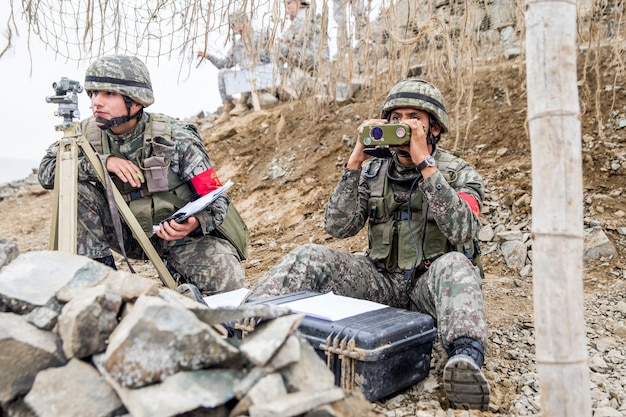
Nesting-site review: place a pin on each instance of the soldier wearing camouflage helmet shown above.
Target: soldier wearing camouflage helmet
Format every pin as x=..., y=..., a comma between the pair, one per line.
x=159, y=164
x=422, y=207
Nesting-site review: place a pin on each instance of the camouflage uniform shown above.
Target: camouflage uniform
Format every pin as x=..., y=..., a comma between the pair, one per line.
x=449, y=290
x=302, y=41
x=358, y=9
x=246, y=56
x=203, y=259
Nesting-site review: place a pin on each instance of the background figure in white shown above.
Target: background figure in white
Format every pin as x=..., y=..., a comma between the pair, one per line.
x=247, y=51
x=360, y=10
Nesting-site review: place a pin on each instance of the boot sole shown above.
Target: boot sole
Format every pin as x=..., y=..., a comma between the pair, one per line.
x=465, y=384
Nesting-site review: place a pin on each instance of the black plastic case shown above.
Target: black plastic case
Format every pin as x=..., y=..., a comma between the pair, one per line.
x=379, y=352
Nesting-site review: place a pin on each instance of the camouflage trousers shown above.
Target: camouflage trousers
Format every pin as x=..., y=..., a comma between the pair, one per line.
x=209, y=262
x=450, y=290
x=221, y=85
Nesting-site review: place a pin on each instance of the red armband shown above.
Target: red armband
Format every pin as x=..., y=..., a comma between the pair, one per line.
x=206, y=182
x=471, y=202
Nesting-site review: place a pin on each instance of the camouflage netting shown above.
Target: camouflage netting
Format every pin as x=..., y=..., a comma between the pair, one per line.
x=442, y=40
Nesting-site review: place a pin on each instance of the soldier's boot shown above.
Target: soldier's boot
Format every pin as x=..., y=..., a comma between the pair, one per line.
x=463, y=381
x=226, y=110
x=107, y=260
x=241, y=107
x=190, y=291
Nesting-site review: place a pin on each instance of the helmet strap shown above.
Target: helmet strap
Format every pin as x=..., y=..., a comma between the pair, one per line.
x=116, y=121
x=431, y=139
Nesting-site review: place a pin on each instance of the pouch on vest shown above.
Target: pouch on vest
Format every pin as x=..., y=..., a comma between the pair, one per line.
x=142, y=209
x=235, y=230
x=155, y=170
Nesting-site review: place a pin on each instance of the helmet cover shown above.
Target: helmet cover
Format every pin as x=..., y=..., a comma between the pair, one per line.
x=418, y=94
x=121, y=74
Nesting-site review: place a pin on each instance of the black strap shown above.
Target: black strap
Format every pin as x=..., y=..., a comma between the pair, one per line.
x=119, y=81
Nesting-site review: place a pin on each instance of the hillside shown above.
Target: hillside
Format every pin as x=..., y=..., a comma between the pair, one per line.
x=287, y=159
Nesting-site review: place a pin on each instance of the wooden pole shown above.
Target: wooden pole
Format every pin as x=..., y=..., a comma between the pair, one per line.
x=557, y=205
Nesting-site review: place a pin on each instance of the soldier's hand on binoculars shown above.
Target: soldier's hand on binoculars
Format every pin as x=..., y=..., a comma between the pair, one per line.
x=418, y=145
x=125, y=170
x=358, y=155
x=172, y=230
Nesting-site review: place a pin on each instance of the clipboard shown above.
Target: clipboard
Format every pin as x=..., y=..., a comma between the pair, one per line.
x=196, y=206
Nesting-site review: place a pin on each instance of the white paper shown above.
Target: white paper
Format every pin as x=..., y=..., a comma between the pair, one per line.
x=198, y=205
x=332, y=307
x=226, y=299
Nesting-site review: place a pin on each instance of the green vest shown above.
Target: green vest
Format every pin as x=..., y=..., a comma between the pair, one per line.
x=399, y=238
x=152, y=208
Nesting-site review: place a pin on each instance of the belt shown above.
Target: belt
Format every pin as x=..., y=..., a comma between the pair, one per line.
x=135, y=195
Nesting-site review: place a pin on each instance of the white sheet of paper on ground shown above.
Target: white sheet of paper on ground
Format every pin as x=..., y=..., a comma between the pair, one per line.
x=327, y=306
x=226, y=299
x=332, y=307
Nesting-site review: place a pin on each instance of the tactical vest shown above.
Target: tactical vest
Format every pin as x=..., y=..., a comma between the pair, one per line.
x=403, y=239
x=151, y=208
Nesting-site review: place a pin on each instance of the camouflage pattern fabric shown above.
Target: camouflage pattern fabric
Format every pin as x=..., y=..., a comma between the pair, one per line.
x=449, y=290
x=358, y=9
x=246, y=56
x=122, y=74
x=210, y=263
x=303, y=42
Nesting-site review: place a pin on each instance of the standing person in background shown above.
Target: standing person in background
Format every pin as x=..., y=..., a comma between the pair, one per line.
x=302, y=50
x=359, y=9
x=422, y=207
x=302, y=44
x=159, y=164
x=247, y=51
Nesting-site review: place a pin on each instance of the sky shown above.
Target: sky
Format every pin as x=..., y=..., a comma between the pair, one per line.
x=28, y=121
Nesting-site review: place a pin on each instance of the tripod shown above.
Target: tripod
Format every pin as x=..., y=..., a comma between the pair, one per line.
x=63, y=235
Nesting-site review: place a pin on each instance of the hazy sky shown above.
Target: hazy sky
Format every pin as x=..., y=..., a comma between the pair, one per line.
x=28, y=121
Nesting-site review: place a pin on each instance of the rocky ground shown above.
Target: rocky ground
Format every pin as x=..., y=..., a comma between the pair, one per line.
x=287, y=158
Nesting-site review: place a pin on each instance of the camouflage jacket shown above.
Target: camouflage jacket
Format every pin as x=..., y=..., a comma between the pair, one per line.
x=302, y=40
x=188, y=158
x=245, y=52
x=348, y=207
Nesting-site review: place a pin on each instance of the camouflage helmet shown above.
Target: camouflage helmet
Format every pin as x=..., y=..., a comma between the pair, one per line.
x=418, y=94
x=121, y=74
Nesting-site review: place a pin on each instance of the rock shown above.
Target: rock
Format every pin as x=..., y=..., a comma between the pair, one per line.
x=33, y=278
x=157, y=339
x=295, y=403
x=24, y=351
x=87, y=321
x=259, y=347
x=514, y=252
x=73, y=390
x=8, y=251
x=597, y=245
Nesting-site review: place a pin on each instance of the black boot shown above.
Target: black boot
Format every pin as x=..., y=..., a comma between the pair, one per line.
x=463, y=381
x=191, y=291
x=107, y=260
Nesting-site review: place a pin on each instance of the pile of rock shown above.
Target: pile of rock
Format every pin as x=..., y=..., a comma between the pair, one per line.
x=78, y=338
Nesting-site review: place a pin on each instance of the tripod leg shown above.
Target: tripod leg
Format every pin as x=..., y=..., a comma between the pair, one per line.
x=64, y=222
